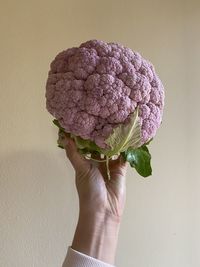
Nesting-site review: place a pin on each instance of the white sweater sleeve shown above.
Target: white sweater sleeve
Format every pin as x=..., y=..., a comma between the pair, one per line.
x=77, y=259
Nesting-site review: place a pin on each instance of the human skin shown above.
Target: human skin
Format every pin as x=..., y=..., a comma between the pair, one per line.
x=101, y=203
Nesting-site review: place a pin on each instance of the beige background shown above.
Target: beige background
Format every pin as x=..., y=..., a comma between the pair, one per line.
x=38, y=200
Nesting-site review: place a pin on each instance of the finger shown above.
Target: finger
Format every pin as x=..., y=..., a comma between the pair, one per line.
x=79, y=163
x=100, y=165
x=118, y=166
x=119, y=162
x=96, y=156
x=122, y=162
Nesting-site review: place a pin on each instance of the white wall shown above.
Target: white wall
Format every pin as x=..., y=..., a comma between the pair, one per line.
x=192, y=67
x=38, y=200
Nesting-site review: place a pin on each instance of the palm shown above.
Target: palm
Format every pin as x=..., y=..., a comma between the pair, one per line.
x=97, y=193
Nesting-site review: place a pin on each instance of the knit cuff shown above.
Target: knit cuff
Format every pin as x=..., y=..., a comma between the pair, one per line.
x=77, y=259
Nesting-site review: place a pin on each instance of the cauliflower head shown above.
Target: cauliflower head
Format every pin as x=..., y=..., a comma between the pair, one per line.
x=93, y=88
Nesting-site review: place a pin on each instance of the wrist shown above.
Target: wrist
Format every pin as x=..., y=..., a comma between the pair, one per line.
x=97, y=235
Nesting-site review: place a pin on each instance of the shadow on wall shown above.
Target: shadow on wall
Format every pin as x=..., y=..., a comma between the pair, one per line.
x=36, y=198
x=24, y=171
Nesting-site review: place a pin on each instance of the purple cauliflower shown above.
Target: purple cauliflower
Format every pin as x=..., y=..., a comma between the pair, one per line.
x=93, y=88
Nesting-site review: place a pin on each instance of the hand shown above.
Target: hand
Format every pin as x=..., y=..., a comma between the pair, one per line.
x=101, y=203
x=96, y=193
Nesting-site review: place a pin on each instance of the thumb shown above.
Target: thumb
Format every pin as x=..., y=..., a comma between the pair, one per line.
x=78, y=162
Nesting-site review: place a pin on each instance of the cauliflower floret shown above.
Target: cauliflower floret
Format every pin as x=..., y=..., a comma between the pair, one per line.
x=95, y=87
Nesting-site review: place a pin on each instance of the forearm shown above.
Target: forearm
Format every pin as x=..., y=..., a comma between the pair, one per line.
x=97, y=235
